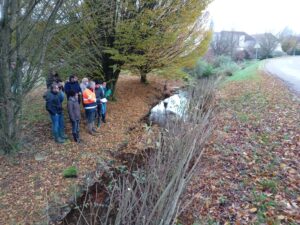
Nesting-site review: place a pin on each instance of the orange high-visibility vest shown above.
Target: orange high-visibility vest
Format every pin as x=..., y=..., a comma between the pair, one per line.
x=88, y=96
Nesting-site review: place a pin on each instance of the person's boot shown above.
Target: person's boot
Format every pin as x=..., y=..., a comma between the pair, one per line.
x=78, y=138
x=94, y=129
x=58, y=139
x=90, y=129
x=98, y=122
x=103, y=118
x=75, y=137
x=62, y=135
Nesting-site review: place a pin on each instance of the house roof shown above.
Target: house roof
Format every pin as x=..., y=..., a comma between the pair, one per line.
x=238, y=33
x=258, y=36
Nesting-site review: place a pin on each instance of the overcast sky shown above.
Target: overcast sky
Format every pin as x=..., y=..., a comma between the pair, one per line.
x=255, y=16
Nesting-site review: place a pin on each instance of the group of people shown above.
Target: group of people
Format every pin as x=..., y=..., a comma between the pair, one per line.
x=92, y=94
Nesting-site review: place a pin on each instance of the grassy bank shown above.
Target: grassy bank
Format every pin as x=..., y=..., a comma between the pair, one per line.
x=248, y=73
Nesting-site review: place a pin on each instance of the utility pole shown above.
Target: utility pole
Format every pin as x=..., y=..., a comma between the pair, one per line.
x=257, y=46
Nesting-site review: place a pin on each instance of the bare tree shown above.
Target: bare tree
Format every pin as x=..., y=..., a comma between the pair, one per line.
x=268, y=43
x=26, y=28
x=225, y=43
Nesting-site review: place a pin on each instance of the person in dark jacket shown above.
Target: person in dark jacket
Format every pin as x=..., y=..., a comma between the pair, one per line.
x=53, y=77
x=74, y=114
x=72, y=85
x=54, y=106
x=107, y=93
x=99, y=95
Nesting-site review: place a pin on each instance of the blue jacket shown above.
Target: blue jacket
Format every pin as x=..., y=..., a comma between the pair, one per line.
x=54, y=103
x=72, y=86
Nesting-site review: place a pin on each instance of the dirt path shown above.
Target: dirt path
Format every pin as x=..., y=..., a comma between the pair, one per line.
x=34, y=176
x=250, y=173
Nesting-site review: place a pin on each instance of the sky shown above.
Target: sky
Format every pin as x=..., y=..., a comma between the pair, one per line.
x=255, y=16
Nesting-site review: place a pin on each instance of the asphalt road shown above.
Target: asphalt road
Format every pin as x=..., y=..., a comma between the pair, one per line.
x=288, y=69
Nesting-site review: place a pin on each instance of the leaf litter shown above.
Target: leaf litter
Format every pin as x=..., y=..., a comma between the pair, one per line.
x=32, y=178
x=250, y=173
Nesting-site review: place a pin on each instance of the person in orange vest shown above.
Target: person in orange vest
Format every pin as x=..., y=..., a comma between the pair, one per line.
x=90, y=106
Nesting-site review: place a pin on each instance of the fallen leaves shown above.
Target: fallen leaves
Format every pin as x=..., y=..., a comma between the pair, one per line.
x=28, y=181
x=253, y=210
x=254, y=158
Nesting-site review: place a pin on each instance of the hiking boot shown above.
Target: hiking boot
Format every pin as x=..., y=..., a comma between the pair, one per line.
x=90, y=129
x=75, y=137
x=103, y=118
x=92, y=133
x=98, y=122
x=94, y=130
x=58, y=139
x=78, y=138
x=62, y=135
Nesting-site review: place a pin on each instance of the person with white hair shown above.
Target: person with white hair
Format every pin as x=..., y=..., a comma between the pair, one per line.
x=84, y=83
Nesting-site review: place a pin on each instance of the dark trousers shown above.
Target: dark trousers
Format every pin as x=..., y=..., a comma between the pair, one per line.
x=99, y=110
x=75, y=126
x=90, y=115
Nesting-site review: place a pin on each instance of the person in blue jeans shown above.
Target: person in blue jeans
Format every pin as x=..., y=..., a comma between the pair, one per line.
x=54, y=101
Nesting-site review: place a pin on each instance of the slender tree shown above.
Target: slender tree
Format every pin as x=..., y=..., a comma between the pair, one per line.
x=26, y=28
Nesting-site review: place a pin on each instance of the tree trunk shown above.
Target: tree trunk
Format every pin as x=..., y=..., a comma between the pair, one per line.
x=143, y=77
x=7, y=120
x=15, y=46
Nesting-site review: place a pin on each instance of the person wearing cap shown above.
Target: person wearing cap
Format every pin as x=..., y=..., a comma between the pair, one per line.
x=90, y=106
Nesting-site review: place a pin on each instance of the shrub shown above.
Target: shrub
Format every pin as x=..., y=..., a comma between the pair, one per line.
x=202, y=69
x=278, y=54
x=221, y=60
x=70, y=172
x=222, y=66
x=229, y=69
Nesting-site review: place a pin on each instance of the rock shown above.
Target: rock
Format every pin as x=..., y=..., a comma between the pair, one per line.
x=39, y=157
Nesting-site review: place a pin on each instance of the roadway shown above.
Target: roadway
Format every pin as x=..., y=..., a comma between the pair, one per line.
x=287, y=69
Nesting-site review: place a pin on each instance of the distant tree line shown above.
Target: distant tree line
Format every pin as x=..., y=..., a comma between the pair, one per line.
x=240, y=45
